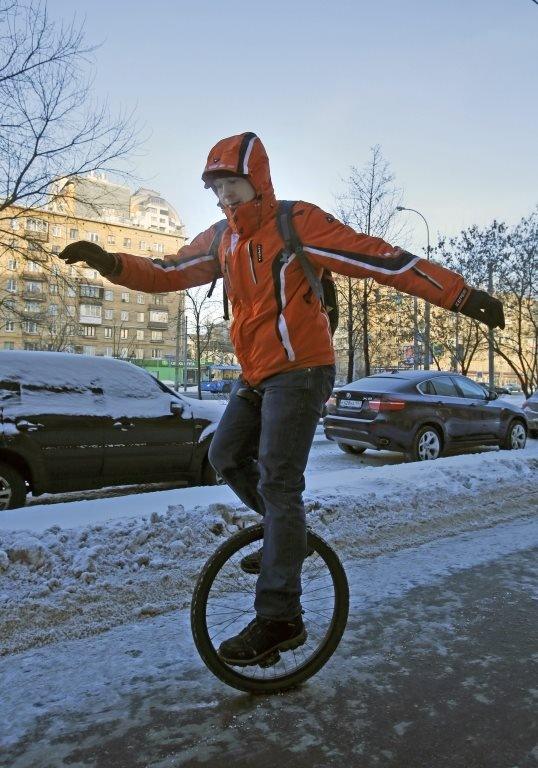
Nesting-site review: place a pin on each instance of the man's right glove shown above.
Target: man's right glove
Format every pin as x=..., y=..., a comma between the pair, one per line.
x=481, y=306
x=94, y=256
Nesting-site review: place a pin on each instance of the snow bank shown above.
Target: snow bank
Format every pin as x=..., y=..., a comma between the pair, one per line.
x=75, y=581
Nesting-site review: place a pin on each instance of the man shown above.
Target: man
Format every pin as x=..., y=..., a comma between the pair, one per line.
x=283, y=341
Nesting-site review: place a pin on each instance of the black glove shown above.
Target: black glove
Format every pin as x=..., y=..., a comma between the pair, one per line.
x=483, y=307
x=94, y=256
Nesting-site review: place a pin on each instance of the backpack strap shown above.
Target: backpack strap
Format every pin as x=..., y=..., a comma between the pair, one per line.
x=293, y=245
x=213, y=250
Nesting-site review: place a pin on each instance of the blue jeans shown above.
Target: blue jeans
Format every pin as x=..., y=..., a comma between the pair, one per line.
x=261, y=452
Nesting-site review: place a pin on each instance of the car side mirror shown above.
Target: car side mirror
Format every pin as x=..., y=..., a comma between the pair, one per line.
x=176, y=408
x=491, y=395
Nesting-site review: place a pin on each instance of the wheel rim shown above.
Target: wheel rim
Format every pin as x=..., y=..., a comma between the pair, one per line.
x=5, y=493
x=429, y=446
x=518, y=436
x=230, y=607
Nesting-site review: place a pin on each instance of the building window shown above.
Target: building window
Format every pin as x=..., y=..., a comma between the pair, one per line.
x=126, y=242
x=90, y=291
x=90, y=310
x=109, y=314
x=12, y=264
x=125, y=297
x=11, y=285
x=36, y=225
x=158, y=300
x=93, y=237
x=88, y=330
x=71, y=292
x=92, y=274
x=33, y=266
x=140, y=335
x=9, y=345
x=10, y=325
x=111, y=240
x=14, y=224
x=158, y=247
x=108, y=351
x=70, y=310
x=30, y=286
x=157, y=353
x=139, y=354
x=53, y=309
x=124, y=316
x=156, y=335
x=142, y=245
x=124, y=353
x=73, y=234
x=29, y=326
x=108, y=332
x=109, y=295
x=140, y=298
x=158, y=316
x=55, y=249
x=140, y=317
x=53, y=288
x=88, y=350
x=56, y=230
x=32, y=307
x=124, y=333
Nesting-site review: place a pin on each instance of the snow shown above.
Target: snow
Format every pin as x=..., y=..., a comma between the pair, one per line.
x=72, y=570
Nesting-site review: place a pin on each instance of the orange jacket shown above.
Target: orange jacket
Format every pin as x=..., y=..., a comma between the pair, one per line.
x=277, y=324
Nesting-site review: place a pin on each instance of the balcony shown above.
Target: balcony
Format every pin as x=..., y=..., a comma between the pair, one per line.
x=34, y=295
x=42, y=237
x=153, y=326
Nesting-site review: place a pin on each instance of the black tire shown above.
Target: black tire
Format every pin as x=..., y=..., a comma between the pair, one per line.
x=350, y=448
x=325, y=631
x=12, y=488
x=516, y=436
x=427, y=444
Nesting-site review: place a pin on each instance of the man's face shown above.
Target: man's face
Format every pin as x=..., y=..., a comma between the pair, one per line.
x=233, y=191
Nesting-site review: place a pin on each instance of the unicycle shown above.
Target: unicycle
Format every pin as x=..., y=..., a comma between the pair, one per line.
x=223, y=600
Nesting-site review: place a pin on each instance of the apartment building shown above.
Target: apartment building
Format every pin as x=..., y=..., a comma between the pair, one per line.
x=45, y=304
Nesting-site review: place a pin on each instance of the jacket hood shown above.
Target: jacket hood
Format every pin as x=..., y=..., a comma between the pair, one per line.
x=244, y=155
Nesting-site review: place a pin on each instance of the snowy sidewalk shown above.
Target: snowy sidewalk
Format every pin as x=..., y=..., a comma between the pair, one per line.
x=433, y=672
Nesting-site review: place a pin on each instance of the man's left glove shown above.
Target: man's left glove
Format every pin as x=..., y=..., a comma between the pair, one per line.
x=483, y=307
x=94, y=256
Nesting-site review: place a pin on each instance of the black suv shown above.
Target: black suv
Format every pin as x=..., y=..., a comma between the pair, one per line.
x=74, y=422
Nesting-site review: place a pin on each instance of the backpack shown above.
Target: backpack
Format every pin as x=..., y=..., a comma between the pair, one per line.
x=323, y=288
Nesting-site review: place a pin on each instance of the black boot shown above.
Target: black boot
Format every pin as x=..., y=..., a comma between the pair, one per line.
x=261, y=640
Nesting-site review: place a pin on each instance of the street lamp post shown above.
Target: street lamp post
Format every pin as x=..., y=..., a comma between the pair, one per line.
x=427, y=303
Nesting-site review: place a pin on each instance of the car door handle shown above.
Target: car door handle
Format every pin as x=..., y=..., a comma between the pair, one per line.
x=123, y=425
x=28, y=426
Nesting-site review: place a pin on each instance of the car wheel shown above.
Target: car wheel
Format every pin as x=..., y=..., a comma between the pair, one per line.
x=350, y=448
x=12, y=488
x=426, y=445
x=516, y=437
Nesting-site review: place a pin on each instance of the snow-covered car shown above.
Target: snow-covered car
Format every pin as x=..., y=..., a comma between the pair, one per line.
x=74, y=422
x=421, y=413
x=530, y=408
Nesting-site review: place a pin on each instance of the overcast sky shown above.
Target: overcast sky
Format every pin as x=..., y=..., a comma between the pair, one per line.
x=448, y=89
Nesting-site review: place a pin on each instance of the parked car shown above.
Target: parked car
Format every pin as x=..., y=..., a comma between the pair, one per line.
x=422, y=413
x=74, y=422
x=497, y=389
x=530, y=409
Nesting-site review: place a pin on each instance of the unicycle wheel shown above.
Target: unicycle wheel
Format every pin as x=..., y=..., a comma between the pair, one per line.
x=222, y=605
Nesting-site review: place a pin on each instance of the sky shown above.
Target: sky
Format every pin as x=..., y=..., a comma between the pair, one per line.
x=448, y=90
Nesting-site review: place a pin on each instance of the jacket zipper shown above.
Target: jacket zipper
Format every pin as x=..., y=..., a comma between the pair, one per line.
x=251, y=262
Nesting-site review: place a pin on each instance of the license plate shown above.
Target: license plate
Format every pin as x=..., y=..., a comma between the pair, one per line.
x=350, y=404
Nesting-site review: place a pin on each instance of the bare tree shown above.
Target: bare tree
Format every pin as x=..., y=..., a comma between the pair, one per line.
x=50, y=127
x=369, y=206
x=206, y=314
